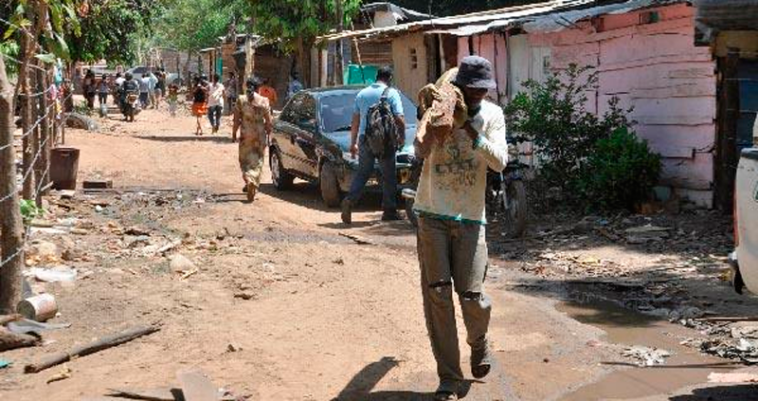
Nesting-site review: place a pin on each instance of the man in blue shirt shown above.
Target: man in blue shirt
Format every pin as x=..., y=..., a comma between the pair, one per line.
x=366, y=158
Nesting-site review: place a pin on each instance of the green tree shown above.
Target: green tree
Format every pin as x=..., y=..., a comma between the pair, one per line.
x=297, y=22
x=111, y=29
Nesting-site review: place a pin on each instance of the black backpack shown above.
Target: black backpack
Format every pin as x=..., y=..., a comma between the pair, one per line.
x=199, y=95
x=381, y=128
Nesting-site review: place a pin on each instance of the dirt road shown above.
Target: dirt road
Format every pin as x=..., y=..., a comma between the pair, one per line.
x=282, y=307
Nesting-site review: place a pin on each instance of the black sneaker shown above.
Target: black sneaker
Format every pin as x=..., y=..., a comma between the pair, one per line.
x=347, y=211
x=391, y=215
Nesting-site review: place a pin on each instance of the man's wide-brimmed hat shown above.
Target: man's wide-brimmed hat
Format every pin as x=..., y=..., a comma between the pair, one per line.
x=475, y=72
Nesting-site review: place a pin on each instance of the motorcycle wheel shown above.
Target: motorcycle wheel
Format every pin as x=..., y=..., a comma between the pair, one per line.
x=515, y=208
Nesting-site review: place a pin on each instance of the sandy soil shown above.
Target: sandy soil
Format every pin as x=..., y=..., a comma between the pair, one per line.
x=327, y=319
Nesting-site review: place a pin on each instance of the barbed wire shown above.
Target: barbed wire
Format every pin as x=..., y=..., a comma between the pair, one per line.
x=28, y=229
x=36, y=123
x=29, y=171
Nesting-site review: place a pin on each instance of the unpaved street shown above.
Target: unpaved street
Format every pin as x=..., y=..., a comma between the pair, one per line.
x=283, y=307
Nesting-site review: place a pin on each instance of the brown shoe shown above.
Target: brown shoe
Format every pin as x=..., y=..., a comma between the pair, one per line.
x=250, y=190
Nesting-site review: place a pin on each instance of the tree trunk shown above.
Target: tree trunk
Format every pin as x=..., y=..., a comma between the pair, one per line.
x=11, y=224
x=27, y=50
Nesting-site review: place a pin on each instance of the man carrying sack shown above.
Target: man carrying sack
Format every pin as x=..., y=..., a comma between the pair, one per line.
x=451, y=208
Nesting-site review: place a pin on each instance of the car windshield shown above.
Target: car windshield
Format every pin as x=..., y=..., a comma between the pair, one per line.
x=337, y=111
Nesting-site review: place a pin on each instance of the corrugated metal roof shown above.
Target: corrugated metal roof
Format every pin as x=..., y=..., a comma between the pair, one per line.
x=544, y=17
x=400, y=13
x=559, y=21
x=461, y=20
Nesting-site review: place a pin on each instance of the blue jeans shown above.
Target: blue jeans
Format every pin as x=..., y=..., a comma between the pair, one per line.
x=366, y=160
x=214, y=114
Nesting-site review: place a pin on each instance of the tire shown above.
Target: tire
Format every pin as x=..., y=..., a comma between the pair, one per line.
x=330, y=188
x=281, y=179
x=516, y=213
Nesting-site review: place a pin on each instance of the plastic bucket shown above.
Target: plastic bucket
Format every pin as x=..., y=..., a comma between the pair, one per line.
x=64, y=165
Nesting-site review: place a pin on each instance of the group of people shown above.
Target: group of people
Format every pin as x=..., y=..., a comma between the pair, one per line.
x=450, y=204
x=211, y=98
x=151, y=88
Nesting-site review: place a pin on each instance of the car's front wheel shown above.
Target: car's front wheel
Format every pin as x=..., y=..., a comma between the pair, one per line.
x=279, y=176
x=330, y=187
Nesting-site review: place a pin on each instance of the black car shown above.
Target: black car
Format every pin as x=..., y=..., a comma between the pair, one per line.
x=311, y=140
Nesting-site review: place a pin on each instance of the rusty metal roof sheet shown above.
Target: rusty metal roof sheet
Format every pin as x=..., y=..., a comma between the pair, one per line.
x=558, y=21
x=479, y=18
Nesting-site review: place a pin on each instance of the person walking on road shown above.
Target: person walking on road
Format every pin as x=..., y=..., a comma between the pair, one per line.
x=144, y=91
x=269, y=93
x=102, y=90
x=199, y=105
x=231, y=92
x=451, y=243
x=366, y=99
x=173, y=99
x=216, y=93
x=252, y=118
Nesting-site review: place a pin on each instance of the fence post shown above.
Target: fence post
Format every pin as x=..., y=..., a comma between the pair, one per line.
x=11, y=225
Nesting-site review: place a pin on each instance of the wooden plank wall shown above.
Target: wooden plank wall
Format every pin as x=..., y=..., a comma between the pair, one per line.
x=656, y=69
x=409, y=79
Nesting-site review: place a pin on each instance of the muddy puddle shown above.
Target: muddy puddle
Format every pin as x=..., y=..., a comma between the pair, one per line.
x=623, y=327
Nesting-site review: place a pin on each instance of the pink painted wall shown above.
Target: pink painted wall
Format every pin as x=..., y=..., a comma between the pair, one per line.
x=656, y=69
x=492, y=47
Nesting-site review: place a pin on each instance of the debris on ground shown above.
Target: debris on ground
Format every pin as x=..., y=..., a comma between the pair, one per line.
x=4, y=363
x=736, y=377
x=65, y=373
x=40, y=307
x=357, y=239
x=181, y=264
x=646, y=356
x=61, y=273
x=10, y=340
x=87, y=349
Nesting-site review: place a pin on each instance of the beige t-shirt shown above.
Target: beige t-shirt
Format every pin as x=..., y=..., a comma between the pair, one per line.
x=454, y=178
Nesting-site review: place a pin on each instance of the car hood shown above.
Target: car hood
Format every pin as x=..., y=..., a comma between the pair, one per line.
x=342, y=139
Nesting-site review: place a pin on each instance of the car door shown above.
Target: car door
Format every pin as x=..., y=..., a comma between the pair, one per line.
x=306, y=136
x=285, y=130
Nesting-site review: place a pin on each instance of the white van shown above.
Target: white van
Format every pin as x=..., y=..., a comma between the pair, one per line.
x=744, y=259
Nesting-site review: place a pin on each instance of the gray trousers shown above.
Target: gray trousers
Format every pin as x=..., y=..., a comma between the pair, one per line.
x=453, y=255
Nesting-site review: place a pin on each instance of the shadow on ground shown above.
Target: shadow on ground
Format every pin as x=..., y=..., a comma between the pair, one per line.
x=361, y=386
x=740, y=392
x=187, y=138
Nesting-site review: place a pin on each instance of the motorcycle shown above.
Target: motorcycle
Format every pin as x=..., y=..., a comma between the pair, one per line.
x=131, y=106
x=505, y=197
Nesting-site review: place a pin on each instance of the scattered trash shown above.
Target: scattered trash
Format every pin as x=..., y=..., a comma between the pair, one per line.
x=180, y=264
x=39, y=307
x=4, y=363
x=52, y=275
x=646, y=356
x=97, y=184
x=10, y=340
x=137, y=231
x=64, y=374
x=196, y=386
x=357, y=238
x=233, y=348
x=154, y=394
x=27, y=326
x=244, y=295
x=189, y=274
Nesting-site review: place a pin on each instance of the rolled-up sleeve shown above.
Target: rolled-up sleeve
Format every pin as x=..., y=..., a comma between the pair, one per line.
x=492, y=145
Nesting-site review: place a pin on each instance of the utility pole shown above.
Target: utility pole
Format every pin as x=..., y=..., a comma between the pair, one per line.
x=11, y=225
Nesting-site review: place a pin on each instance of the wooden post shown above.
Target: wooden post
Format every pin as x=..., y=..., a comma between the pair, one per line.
x=11, y=224
x=339, y=64
x=41, y=164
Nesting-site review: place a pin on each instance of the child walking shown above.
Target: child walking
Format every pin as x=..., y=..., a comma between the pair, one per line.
x=172, y=98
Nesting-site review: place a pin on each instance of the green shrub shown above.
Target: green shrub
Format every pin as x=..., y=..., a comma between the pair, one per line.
x=620, y=172
x=566, y=137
